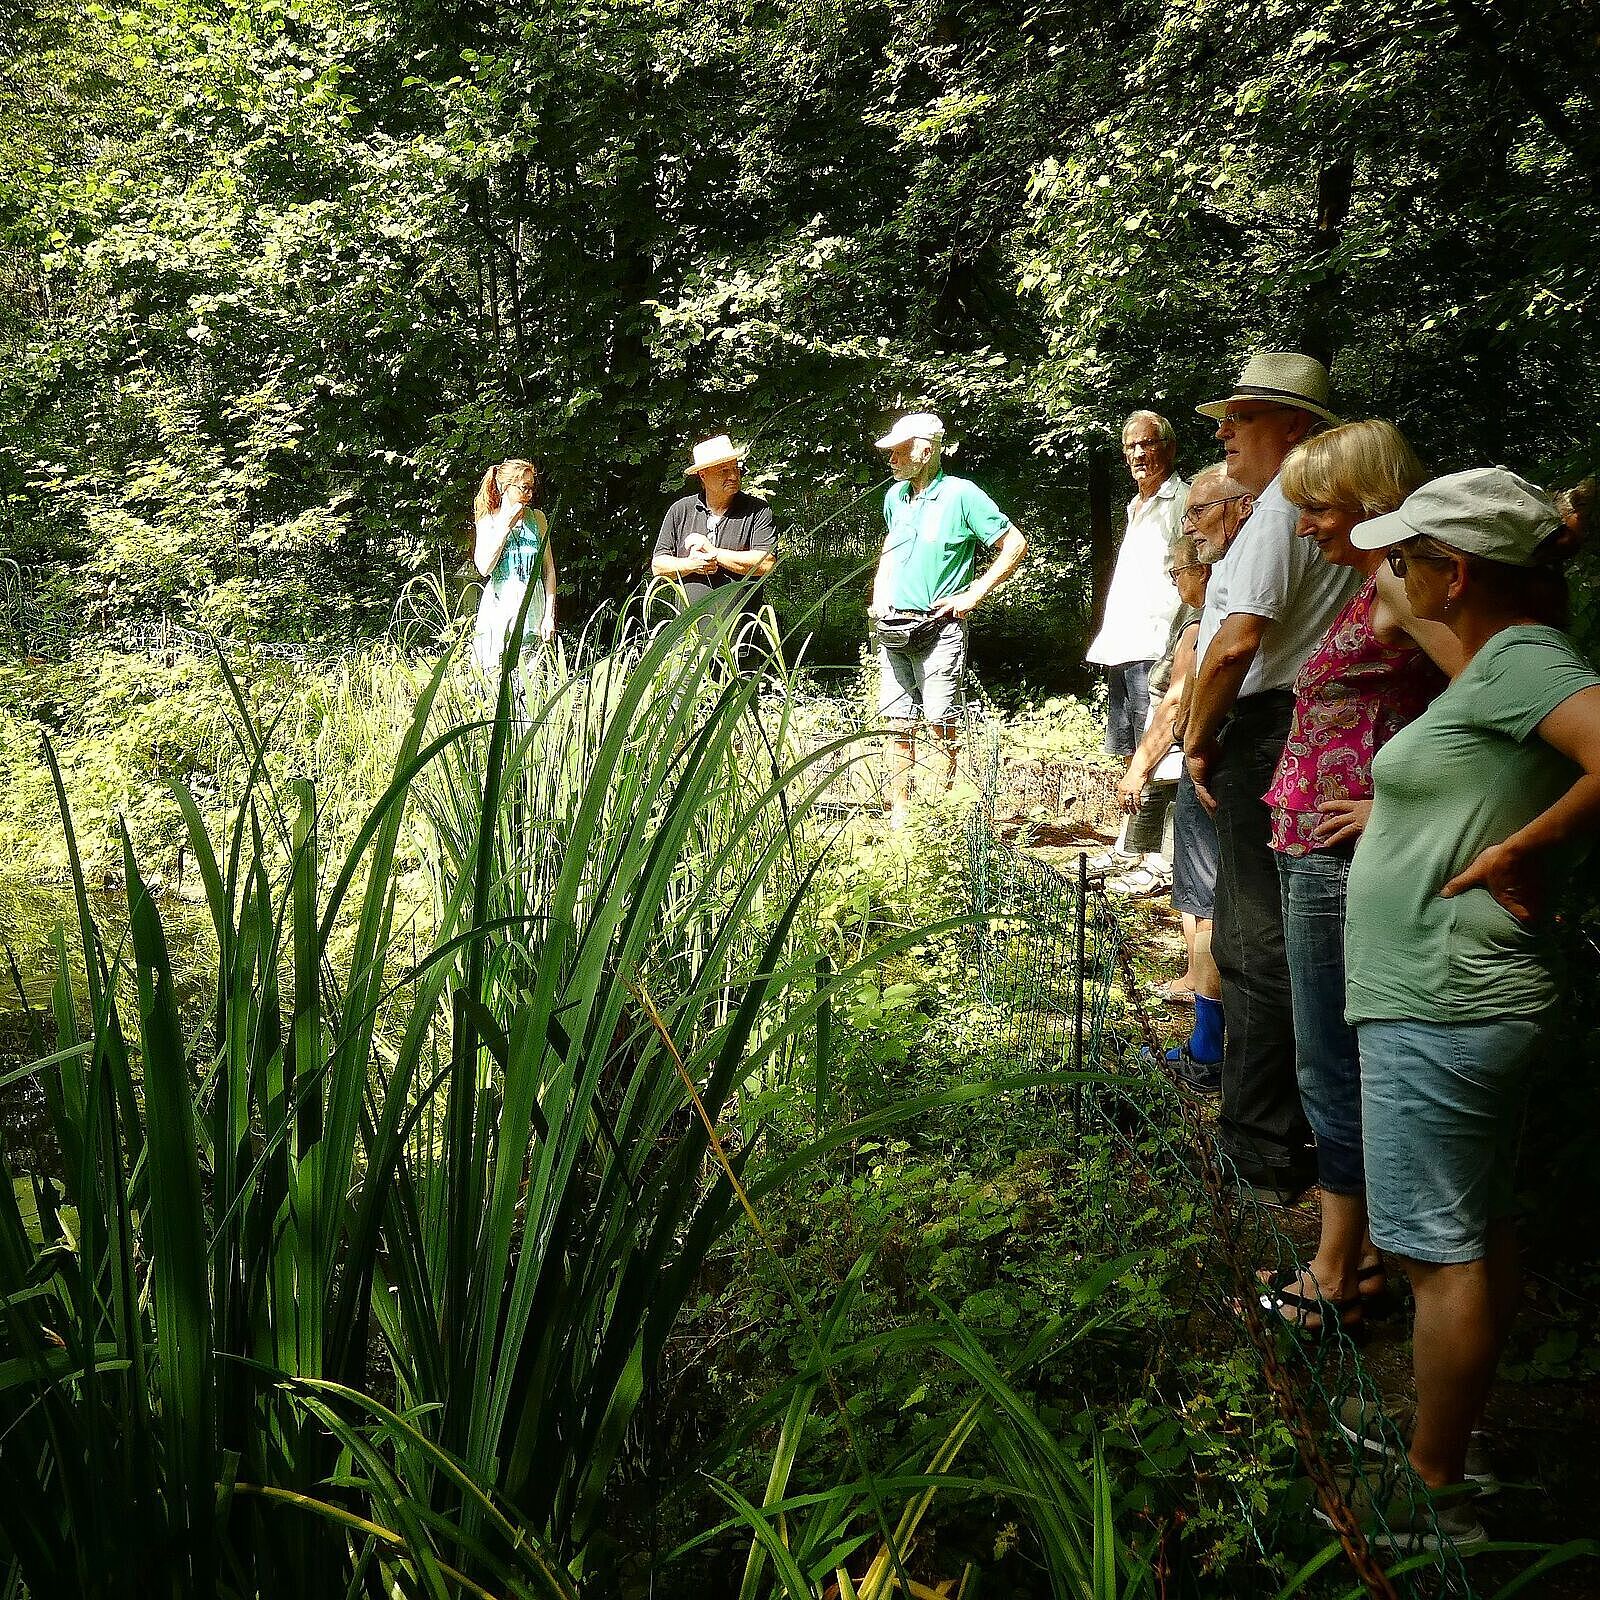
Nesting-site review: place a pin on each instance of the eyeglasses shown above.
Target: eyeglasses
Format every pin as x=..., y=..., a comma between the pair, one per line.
x=1397, y=559
x=1195, y=507
x=1189, y=566
x=1234, y=418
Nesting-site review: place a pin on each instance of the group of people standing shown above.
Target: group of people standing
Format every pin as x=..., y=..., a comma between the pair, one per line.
x=1354, y=688
x=925, y=587
x=1390, y=750
x=715, y=536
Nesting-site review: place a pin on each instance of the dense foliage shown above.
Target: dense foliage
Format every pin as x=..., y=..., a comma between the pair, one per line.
x=278, y=278
x=347, y=1254
x=448, y=1269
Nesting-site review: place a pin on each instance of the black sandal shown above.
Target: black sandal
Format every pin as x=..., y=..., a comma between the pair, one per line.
x=1278, y=1299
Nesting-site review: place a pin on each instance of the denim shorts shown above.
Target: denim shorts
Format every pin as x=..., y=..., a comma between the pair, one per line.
x=1327, y=1065
x=1129, y=706
x=925, y=683
x=1194, y=854
x=1441, y=1115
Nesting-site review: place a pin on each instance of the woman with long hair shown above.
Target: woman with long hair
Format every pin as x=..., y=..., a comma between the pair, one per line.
x=1376, y=669
x=512, y=551
x=1479, y=808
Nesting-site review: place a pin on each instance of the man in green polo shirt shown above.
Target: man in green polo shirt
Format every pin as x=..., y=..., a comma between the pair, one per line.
x=925, y=579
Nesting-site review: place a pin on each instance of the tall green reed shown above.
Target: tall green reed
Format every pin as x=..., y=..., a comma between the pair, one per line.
x=319, y=1308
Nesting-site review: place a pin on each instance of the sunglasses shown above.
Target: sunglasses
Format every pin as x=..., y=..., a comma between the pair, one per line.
x=1398, y=560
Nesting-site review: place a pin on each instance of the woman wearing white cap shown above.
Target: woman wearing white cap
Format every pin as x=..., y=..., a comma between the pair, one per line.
x=1477, y=806
x=1375, y=670
x=512, y=544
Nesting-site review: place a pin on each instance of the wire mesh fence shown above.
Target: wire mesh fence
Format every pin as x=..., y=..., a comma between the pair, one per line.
x=1055, y=957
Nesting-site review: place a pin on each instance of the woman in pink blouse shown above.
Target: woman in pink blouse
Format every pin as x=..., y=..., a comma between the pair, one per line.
x=1376, y=669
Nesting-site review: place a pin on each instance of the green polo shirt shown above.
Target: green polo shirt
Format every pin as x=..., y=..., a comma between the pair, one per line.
x=933, y=540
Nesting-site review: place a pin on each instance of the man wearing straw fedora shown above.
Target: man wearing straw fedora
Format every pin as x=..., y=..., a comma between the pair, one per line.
x=719, y=534
x=1270, y=600
x=926, y=586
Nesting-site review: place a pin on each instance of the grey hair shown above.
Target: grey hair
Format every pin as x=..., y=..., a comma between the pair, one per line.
x=1185, y=552
x=1164, y=429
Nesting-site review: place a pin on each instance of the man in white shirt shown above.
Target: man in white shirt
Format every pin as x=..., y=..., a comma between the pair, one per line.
x=1270, y=600
x=1134, y=632
x=1141, y=602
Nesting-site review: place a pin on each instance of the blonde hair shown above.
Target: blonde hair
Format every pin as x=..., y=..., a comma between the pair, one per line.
x=1364, y=467
x=498, y=479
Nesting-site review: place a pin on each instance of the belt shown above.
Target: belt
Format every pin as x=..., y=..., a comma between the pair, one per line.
x=1266, y=702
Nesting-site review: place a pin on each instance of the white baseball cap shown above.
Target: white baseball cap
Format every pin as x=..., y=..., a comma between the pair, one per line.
x=915, y=425
x=1487, y=512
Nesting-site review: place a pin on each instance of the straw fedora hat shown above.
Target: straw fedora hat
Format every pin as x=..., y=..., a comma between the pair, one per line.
x=713, y=452
x=1282, y=377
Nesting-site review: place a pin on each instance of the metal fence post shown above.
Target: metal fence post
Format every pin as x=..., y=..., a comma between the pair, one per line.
x=1079, y=931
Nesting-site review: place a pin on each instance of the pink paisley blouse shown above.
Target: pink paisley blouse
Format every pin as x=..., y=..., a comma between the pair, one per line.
x=1352, y=696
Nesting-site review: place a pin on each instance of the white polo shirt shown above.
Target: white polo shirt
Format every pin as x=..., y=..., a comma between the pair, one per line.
x=1142, y=599
x=1270, y=572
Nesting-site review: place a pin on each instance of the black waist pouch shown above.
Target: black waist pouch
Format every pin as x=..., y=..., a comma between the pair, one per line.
x=910, y=630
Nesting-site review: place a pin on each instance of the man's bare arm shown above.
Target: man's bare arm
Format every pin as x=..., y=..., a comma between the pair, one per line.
x=1013, y=547
x=1217, y=685
x=1222, y=675
x=879, y=604
x=680, y=566
x=1158, y=737
x=745, y=563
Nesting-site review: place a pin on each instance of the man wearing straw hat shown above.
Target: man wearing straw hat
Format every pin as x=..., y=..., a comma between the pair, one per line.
x=1270, y=600
x=719, y=534
x=925, y=588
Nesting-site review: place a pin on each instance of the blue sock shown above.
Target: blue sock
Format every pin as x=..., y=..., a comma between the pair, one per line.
x=1205, y=1043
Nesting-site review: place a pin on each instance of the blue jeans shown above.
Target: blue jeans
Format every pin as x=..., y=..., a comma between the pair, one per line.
x=1128, y=706
x=1327, y=1058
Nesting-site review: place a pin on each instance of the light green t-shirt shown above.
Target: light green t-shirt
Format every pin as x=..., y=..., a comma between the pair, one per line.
x=933, y=540
x=1468, y=773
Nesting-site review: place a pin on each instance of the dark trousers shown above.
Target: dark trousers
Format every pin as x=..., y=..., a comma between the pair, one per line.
x=1263, y=1128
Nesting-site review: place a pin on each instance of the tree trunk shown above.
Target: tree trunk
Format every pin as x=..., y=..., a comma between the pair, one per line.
x=1102, y=535
x=630, y=483
x=1335, y=181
